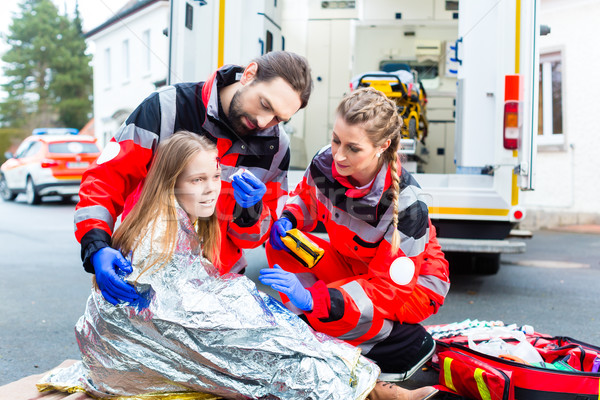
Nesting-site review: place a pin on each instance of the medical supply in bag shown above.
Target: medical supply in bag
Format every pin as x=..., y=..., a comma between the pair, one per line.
x=307, y=252
x=461, y=328
x=596, y=367
x=491, y=360
x=493, y=343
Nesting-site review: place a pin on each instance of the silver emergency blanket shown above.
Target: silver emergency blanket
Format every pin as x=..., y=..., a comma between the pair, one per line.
x=201, y=332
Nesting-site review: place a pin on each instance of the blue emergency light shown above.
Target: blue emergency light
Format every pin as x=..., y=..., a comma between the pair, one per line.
x=55, y=131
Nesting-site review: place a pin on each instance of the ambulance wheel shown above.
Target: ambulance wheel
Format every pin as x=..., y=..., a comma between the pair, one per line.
x=487, y=264
x=473, y=263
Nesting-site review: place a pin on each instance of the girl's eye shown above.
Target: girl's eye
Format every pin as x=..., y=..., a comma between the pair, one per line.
x=196, y=180
x=336, y=141
x=354, y=149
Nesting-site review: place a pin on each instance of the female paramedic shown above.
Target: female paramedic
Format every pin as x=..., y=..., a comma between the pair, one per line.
x=383, y=271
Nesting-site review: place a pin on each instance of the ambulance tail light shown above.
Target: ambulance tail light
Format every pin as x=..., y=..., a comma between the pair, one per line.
x=512, y=131
x=512, y=111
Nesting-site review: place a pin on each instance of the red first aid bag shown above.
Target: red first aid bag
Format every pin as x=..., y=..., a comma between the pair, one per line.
x=565, y=373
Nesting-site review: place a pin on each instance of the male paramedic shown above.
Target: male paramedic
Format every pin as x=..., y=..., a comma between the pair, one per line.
x=237, y=108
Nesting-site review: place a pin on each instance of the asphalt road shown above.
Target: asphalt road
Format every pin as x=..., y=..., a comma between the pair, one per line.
x=554, y=287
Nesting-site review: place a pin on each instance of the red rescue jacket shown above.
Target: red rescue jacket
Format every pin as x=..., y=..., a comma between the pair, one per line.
x=360, y=229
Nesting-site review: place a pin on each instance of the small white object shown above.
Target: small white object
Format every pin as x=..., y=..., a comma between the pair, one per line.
x=402, y=270
x=527, y=329
x=239, y=172
x=111, y=150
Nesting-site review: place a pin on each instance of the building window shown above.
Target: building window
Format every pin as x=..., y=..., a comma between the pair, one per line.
x=451, y=5
x=550, y=117
x=146, y=50
x=189, y=16
x=107, y=68
x=126, y=69
x=269, y=43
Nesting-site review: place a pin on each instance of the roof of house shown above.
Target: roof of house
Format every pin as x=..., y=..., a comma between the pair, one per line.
x=130, y=8
x=88, y=128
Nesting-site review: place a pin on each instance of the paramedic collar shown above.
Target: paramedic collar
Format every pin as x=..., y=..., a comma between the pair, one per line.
x=225, y=76
x=358, y=192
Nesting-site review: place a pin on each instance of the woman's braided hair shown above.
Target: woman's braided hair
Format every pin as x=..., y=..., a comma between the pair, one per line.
x=378, y=116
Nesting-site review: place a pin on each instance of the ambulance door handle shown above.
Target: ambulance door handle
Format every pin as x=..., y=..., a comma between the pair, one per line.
x=455, y=48
x=262, y=46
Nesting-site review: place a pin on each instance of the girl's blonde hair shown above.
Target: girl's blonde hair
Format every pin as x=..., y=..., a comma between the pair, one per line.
x=157, y=201
x=378, y=116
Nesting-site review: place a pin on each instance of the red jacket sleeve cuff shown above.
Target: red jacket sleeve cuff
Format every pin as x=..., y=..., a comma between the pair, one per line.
x=321, y=300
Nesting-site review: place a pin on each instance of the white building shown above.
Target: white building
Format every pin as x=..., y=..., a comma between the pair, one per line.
x=130, y=61
x=567, y=187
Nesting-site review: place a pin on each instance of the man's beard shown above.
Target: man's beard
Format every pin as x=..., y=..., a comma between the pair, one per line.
x=236, y=113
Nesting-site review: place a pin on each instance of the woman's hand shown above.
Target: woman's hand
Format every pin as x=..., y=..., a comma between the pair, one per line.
x=288, y=284
x=279, y=229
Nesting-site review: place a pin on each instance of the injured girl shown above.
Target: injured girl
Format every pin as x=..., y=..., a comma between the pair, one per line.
x=196, y=334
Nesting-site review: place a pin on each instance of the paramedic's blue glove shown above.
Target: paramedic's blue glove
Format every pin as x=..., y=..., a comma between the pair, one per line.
x=247, y=190
x=108, y=265
x=278, y=230
x=288, y=284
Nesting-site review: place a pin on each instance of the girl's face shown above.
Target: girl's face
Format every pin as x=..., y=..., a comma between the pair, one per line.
x=354, y=155
x=197, y=187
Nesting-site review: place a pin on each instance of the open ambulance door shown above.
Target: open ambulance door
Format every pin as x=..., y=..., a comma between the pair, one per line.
x=496, y=128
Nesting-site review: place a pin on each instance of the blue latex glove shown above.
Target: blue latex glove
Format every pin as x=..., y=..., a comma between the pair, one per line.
x=278, y=230
x=288, y=284
x=247, y=189
x=108, y=265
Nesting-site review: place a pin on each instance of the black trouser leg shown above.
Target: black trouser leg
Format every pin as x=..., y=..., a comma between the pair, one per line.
x=402, y=349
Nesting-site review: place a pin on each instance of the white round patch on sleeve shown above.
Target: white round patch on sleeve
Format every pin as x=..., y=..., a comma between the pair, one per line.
x=111, y=150
x=402, y=270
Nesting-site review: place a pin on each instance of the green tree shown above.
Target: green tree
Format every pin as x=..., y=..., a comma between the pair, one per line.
x=73, y=82
x=49, y=74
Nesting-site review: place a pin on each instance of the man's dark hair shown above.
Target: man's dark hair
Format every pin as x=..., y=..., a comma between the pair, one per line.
x=293, y=68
